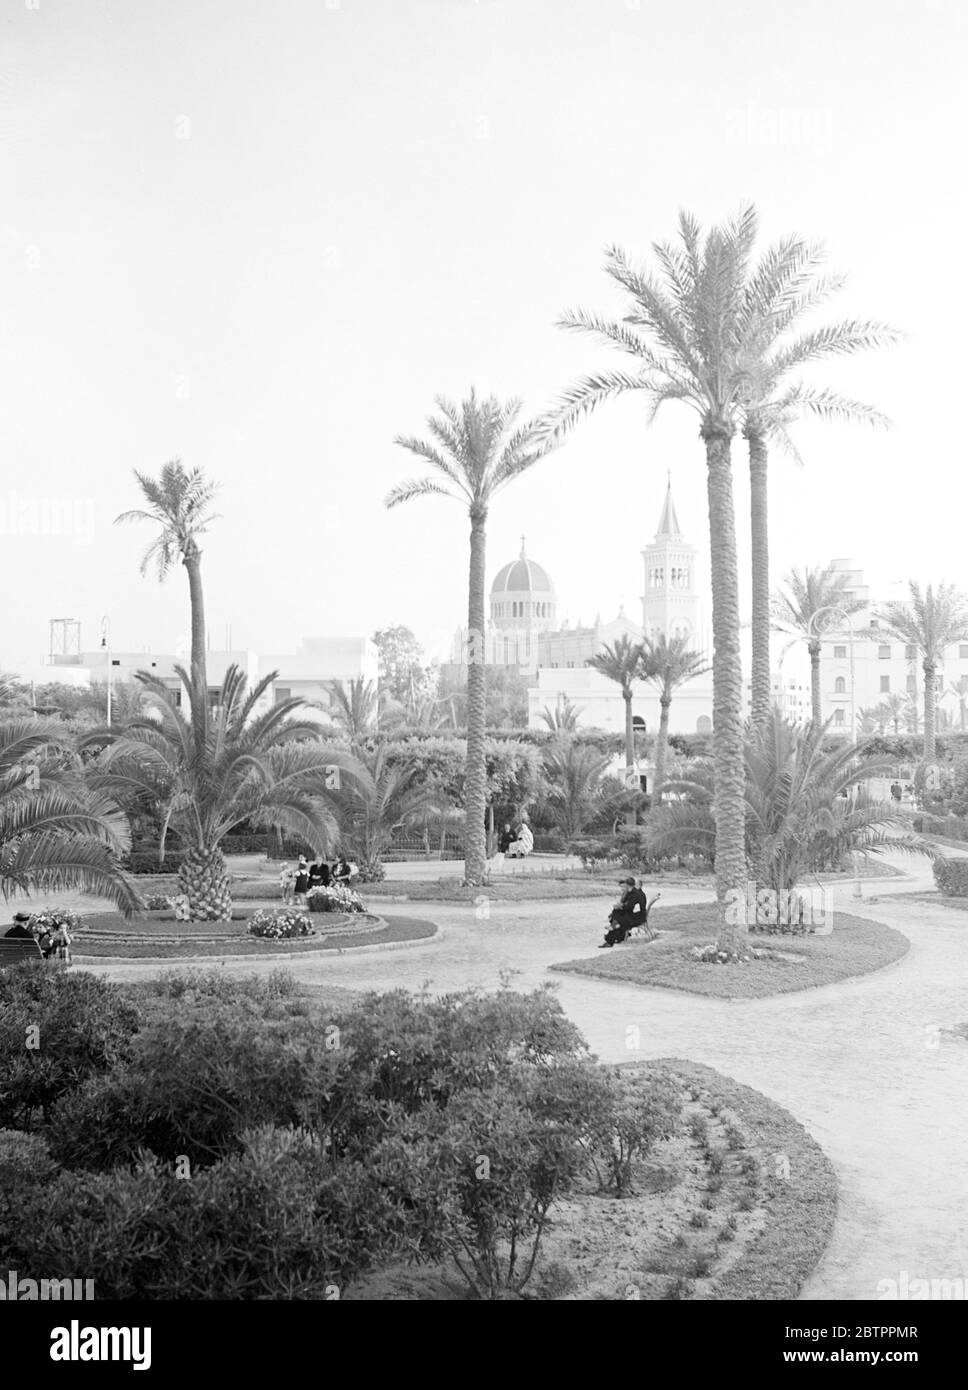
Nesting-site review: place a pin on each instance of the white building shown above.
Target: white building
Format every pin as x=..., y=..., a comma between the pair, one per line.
x=307, y=673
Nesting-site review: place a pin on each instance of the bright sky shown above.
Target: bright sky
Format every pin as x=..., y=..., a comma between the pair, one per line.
x=263, y=236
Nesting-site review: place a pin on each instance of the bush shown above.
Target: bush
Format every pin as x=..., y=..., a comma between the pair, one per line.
x=334, y=899
x=24, y=1159
x=641, y=1111
x=282, y=924
x=271, y=1222
x=155, y=902
x=56, y=1030
x=951, y=876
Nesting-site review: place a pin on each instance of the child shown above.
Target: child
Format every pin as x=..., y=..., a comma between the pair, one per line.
x=62, y=940
x=287, y=881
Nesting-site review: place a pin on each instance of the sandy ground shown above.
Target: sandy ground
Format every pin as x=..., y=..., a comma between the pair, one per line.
x=866, y=1065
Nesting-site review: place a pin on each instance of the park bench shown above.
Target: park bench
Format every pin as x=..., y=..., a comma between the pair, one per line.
x=643, y=929
x=15, y=949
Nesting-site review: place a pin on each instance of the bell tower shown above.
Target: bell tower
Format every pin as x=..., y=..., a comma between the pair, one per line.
x=671, y=603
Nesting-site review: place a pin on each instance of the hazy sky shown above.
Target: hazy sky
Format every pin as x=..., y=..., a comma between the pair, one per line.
x=263, y=236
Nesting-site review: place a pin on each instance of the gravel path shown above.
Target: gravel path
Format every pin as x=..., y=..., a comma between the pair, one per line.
x=865, y=1065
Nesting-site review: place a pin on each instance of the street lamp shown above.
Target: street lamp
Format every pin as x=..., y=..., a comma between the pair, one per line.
x=106, y=645
x=835, y=608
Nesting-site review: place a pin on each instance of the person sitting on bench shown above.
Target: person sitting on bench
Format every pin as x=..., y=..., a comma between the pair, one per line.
x=20, y=930
x=632, y=911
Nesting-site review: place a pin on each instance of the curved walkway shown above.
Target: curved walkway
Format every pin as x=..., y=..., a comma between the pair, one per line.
x=864, y=1064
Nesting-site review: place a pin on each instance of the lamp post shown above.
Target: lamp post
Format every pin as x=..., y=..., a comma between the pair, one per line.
x=106, y=645
x=835, y=608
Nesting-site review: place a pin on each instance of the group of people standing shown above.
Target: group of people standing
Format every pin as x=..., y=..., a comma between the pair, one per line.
x=297, y=882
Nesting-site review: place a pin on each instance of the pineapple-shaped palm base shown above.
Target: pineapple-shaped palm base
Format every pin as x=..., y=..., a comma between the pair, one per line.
x=203, y=879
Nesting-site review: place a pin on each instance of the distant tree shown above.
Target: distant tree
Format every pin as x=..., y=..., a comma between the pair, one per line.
x=563, y=719
x=622, y=663
x=404, y=674
x=812, y=603
x=893, y=708
x=668, y=662
x=355, y=708
x=931, y=620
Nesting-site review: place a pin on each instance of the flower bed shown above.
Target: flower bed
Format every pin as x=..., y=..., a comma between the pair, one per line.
x=334, y=899
x=281, y=925
x=52, y=918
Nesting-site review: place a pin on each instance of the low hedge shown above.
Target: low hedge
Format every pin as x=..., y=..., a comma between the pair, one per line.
x=951, y=876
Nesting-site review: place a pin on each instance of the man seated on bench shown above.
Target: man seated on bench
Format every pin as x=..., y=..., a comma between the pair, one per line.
x=631, y=912
x=20, y=930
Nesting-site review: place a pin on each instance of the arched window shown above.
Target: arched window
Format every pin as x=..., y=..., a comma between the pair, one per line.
x=840, y=686
x=638, y=723
x=838, y=716
x=704, y=725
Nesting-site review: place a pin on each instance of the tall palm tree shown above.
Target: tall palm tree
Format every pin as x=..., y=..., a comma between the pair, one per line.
x=355, y=708
x=786, y=286
x=684, y=333
x=807, y=608
x=668, y=662
x=478, y=448
x=56, y=832
x=378, y=799
x=268, y=769
x=179, y=501
x=930, y=620
x=622, y=663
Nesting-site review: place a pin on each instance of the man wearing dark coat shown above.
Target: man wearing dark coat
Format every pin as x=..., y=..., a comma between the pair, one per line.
x=20, y=930
x=632, y=911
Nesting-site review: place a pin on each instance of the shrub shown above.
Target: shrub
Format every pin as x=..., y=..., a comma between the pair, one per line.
x=24, y=1158
x=155, y=902
x=271, y=1222
x=334, y=899
x=642, y=1110
x=56, y=1030
x=52, y=918
x=282, y=924
x=951, y=876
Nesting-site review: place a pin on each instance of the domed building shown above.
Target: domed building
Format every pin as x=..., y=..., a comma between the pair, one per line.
x=523, y=605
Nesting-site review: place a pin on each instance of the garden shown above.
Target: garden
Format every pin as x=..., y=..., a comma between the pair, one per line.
x=196, y=1137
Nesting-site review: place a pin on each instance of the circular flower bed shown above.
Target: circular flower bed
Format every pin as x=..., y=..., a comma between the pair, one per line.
x=714, y=954
x=280, y=925
x=334, y=899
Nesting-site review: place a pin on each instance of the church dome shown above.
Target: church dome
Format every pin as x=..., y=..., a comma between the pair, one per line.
x=522, y=576
x=522, y=596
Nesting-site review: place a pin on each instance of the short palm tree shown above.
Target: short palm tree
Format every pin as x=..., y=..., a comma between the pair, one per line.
x=622, y=663
x=799, y=820
x=813, y=602
x=379, y=798
x=563, y=719
x=871, y=720
x=683, y=332
x=786, y=286
x=668, y=662
x=958, y=690
x=476, y=450
x=179, y=502
x=267, y=769
x=56, y=832
x=355, y=708
x=930, y=620
x=576, y=794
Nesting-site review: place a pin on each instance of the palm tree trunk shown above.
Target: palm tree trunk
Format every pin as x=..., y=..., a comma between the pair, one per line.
x=760, y=670
x=814, y=650
x=475, y=778
x=929, y=711
x=661, y=745
x=729, y=782
x=203, y=879
x=199, y=693
x=629, y=730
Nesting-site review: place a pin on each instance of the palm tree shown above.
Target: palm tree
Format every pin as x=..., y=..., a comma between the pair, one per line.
x=684, y=332
x=668, y=662
x=893, y=707
x=958, y=690
x=179, y=502
x=786, y=286
x=930, y=620
x=575, y=775
x=814, y=602
x=379, y=798
x=266, y=769
x=871, y=720
x=798, y=819
x=355, y=708
x=563, y=719
x=56, y=832
x=478, y=450
x=622, y=663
